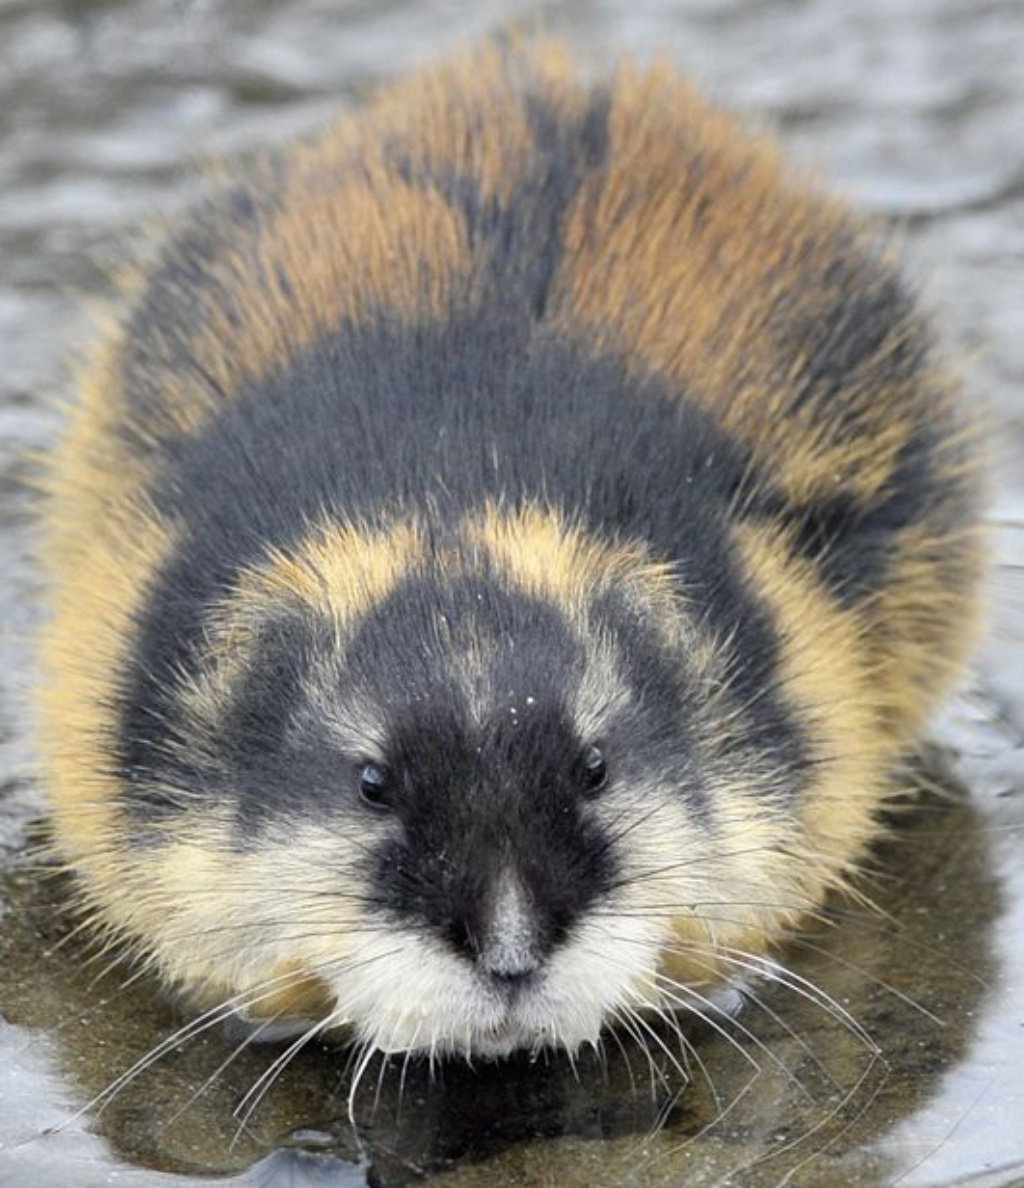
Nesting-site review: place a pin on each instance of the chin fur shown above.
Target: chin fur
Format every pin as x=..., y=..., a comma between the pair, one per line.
x=404, y=993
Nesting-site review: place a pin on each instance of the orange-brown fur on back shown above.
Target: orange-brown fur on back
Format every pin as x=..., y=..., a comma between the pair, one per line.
x=662, y=237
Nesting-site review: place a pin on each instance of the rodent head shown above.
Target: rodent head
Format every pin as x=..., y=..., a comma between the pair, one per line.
x=477, y=786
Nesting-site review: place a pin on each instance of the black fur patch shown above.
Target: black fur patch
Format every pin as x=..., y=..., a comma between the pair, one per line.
x=478, y=797
x=865, y=315
x=518, y=242
x=436, y=419
x=181, y=286
x=382, y=418
x=862, y=338
x=853, y=542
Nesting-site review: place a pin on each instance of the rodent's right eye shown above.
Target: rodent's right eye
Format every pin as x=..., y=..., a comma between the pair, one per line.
x=595, y=771
x=374, y=784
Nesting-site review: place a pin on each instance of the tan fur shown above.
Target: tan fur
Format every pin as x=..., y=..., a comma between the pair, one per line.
x=714, y=260
x=98, y=588
x=752, y=239
x=549, y=557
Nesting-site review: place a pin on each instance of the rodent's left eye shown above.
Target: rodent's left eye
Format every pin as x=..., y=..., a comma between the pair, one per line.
x=374, y=784
x=595, y=771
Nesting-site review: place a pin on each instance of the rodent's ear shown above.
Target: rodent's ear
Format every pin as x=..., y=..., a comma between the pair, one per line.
x=655, y=593
x=252, y=672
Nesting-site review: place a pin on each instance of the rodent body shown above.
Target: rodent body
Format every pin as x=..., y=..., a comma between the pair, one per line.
x=499, y=553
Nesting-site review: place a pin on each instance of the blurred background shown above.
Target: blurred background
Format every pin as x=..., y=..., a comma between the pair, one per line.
x=914, y=109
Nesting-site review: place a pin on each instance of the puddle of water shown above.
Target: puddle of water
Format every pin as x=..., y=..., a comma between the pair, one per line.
x=921, y=1059
x=913, y=108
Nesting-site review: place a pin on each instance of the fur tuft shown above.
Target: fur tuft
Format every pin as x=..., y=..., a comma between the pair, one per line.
x=520, y=507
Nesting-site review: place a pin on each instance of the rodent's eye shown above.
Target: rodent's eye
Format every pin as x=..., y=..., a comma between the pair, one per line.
x=595, y=771
x=374, y=784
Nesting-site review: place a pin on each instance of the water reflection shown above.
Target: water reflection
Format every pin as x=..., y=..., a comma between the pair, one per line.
x=922, y=1023
x=914, y=109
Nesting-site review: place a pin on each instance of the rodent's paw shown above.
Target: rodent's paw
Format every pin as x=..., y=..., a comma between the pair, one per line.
x=243, y=1027
x=730, y=998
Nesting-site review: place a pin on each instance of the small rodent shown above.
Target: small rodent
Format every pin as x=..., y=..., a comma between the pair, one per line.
x=500, y=552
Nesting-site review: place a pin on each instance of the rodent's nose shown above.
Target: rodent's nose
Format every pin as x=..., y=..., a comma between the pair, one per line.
x=505, y=966
x=503, y=943
x=510, y=975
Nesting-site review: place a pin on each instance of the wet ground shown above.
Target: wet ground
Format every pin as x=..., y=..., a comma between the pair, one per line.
x=911, y=1072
